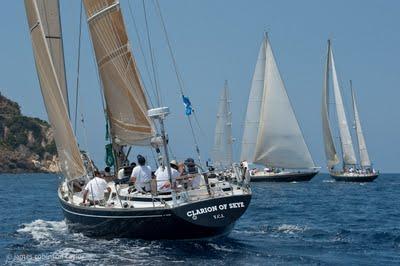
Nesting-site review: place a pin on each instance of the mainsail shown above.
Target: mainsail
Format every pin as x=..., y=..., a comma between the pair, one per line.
x=279, y=141
x=123, y=91
x=362, y=147
x=49, y=15
x=349, y=157
x=222, y=151
x=330, y=151
x=69, y=156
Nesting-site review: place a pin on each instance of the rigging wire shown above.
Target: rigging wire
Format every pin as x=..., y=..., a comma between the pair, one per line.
x=139, y=40
x=178, y=76
x=78, y=69
x=157, y=89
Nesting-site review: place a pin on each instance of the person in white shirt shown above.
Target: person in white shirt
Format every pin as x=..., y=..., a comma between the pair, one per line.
x=141, y=175
x=163, y=182
x=94, y=190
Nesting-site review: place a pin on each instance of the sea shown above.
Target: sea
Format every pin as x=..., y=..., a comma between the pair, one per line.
x=321, y=222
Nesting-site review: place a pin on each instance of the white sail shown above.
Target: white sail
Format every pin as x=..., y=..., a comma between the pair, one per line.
x=329, y=145
x=362, y=147
x=222, y=151
x=123, y=91
x=280, y=142
x=349, y=157
x=251, y=123
x=49, y=14
x=69, y=156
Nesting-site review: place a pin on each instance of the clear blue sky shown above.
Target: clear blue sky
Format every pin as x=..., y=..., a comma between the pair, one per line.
x=218, y=40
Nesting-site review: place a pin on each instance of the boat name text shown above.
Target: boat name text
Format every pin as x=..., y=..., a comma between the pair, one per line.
x=215, y=208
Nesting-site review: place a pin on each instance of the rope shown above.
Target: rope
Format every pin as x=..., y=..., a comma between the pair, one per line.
x=78, y=68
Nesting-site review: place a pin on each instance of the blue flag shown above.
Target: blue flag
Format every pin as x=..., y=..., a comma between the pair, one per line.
x=188, y=105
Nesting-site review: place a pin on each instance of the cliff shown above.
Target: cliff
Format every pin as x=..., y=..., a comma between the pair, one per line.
x=26, y=143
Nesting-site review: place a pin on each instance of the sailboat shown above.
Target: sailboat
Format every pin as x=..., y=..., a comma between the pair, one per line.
x=272, y=136
x=209, y=210
x=222, y=150
x=350, y=170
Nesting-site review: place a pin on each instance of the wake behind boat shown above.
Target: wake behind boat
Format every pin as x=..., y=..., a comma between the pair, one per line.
x=272, y=137
x=351, y=171
x=186, y=209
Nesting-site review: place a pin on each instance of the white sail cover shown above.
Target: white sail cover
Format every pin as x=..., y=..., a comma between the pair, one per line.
x=123, y=91
x=69, y=156
x=279, y=140
x=49, y=14
x=222, y=151
x=362, y=147
x=330, y=151
x=251, y=123
x=349, y=157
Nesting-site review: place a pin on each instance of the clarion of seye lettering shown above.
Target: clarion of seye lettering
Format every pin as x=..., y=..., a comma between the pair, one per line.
x=215, y=208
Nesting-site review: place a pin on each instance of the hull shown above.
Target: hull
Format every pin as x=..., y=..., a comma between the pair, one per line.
x=203, y=219
x=284, y=177
x=354, y=177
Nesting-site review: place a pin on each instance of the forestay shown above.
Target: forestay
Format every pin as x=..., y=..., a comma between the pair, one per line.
x=280, y=142
x=330, y=151
x=126, y=103
x=349, y=157
x=49, y=14
x=362, y=147
x=222, y=151
x=69, y=156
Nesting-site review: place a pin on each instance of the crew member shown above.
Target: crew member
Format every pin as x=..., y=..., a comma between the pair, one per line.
x=95, y=190
x=141, y=175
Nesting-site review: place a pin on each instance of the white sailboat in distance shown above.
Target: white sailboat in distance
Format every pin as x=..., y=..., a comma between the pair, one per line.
x=351, y=170
x=272, y=136
x=222, y=150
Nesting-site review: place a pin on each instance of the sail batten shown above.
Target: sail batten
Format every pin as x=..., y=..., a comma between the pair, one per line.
x=123, y=91
x=71, y=163
x=222, y=150
x=349, y=157
x=362, y=146
x=279, y=141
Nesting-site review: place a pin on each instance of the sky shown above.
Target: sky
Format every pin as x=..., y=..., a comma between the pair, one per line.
x=214, y=41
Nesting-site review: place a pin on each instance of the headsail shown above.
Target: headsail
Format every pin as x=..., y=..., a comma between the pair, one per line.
x=330, y=151
x=362, y=147
x=123, y=91
x=280, y=142
x=49, y=15
x=349, y=157
x=67, y=148
x=222, y=151
x=252, y=119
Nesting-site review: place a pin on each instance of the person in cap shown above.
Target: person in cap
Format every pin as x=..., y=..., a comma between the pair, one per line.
x=141, y=175
x=163, y=182
x=94, y=190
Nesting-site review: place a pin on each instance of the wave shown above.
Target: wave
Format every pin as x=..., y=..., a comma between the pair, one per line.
x=44, y=232
x=291, y=229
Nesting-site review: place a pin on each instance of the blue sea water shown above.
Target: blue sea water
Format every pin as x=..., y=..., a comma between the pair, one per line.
x=321, y=222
